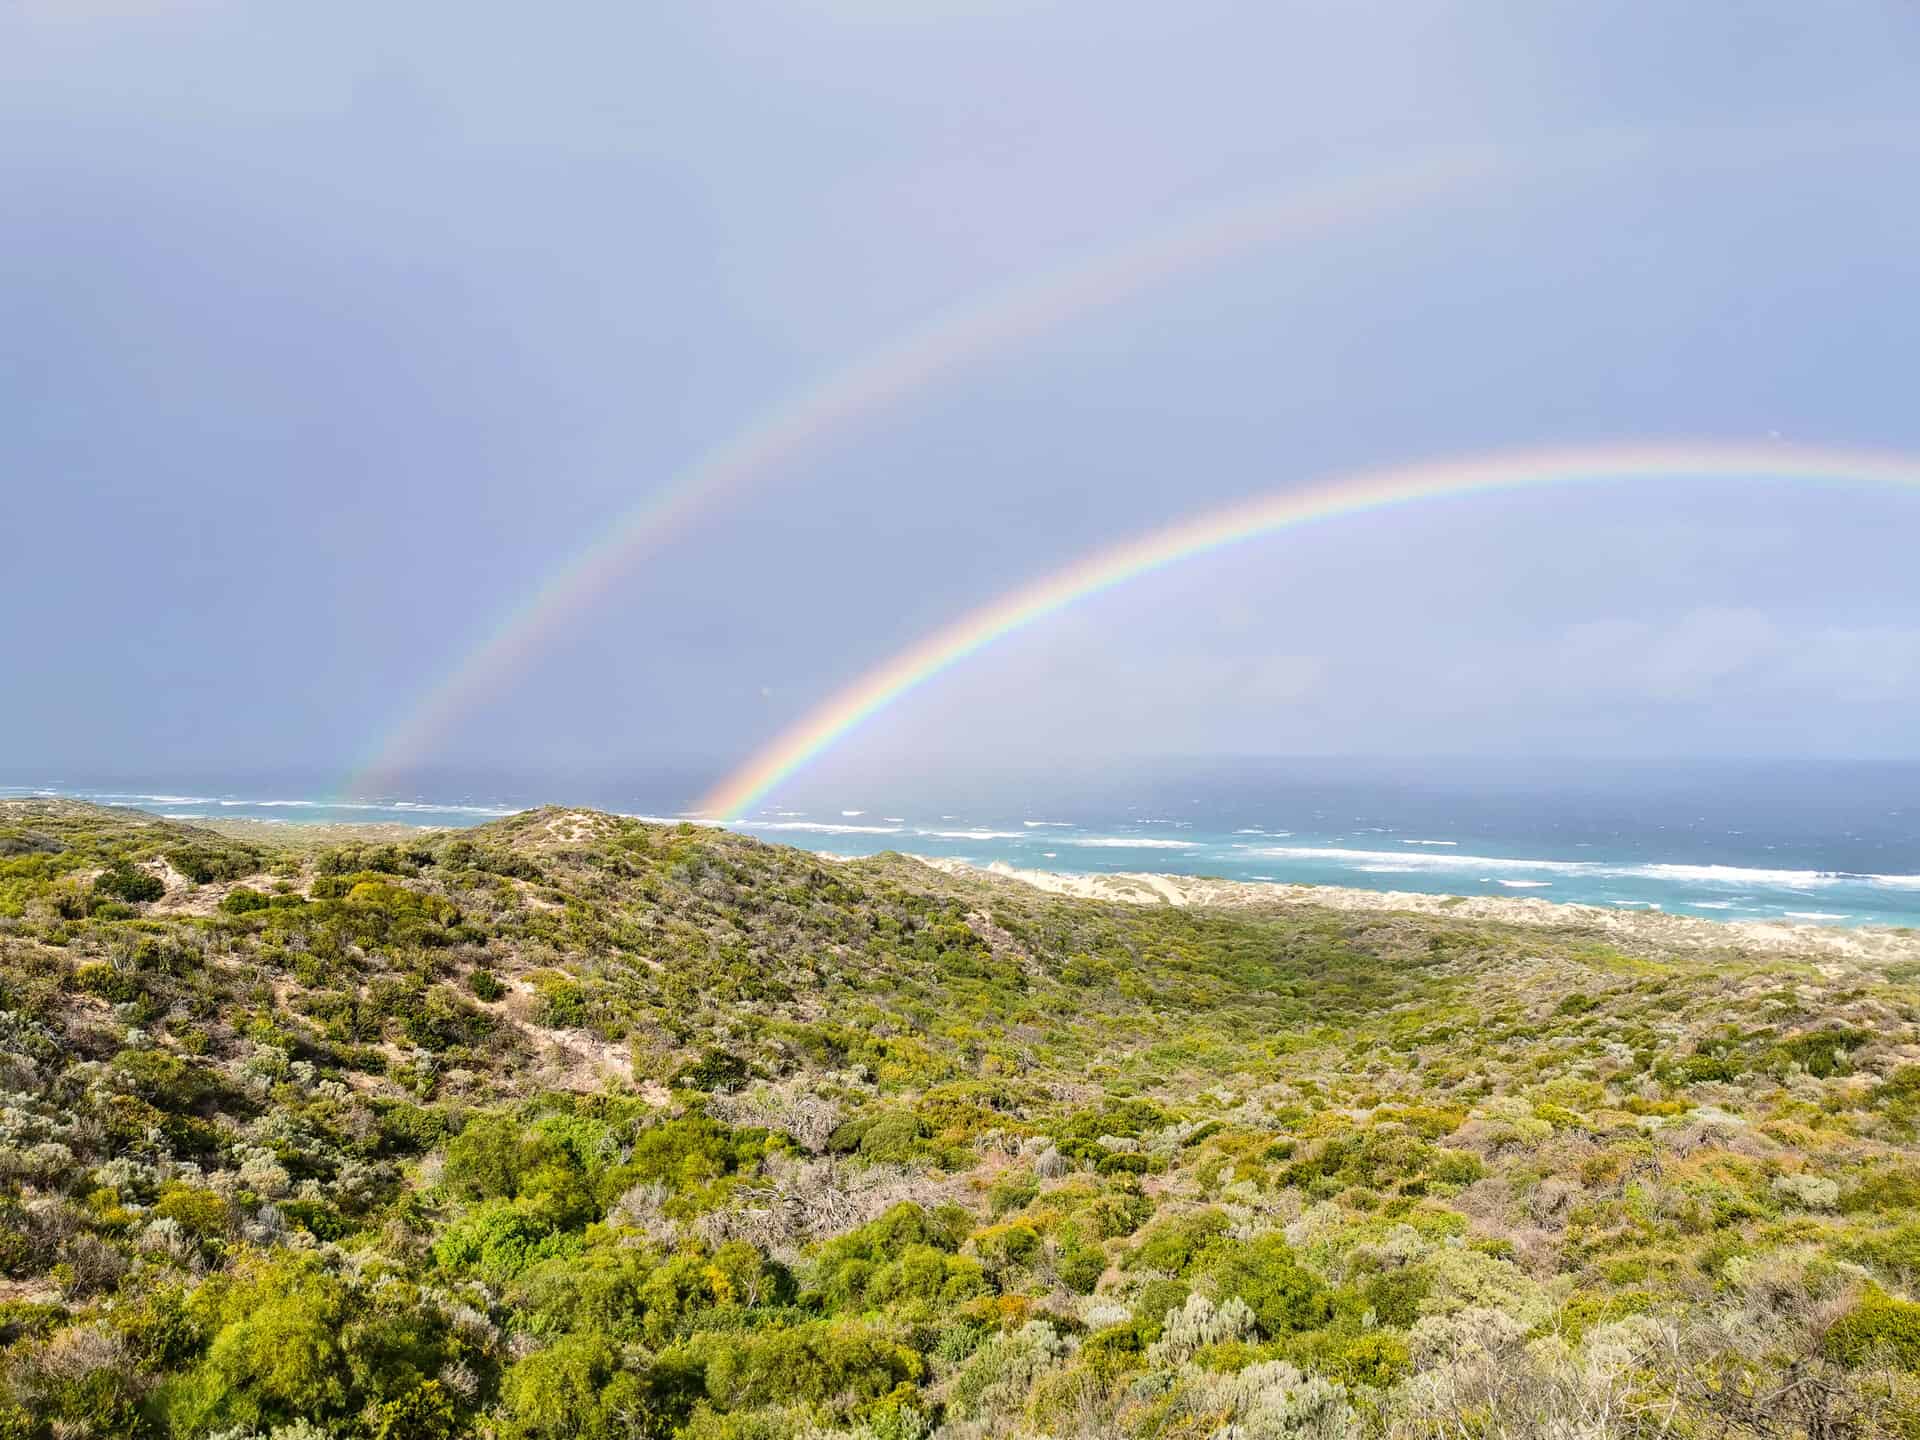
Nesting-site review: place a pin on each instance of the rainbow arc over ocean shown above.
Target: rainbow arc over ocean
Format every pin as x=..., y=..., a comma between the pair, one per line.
x=1357, y=493
x=909, y=365
x=889, y=374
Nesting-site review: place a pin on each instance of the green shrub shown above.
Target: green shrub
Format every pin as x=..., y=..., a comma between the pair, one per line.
x=1284, y=1295
x=203, y=865
x=1880, y=1329
x=198, y=1212
x=96, y=977
x=1821, y=1053
x=1012, y=1190
x=823, y=1361
x=893, y=1137
x=1394, y=1296
x=1006, y=1247
x=488, y=1159
x=1079, y=1267
x=1175, y=1243
x=714, y=1070
x=563, y=1001
x=426, y=1412
x=129, y=883
x=292, y=1342
x=894, y=1258
x=574, y=1389
x=498, y=1241
x=1375, y=1358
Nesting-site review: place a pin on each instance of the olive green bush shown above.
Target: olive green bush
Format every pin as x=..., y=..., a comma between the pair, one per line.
x=578, y=1126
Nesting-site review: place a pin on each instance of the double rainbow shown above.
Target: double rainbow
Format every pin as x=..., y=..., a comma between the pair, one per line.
x=883, y=378
x=1351, y=494
x=886, y=376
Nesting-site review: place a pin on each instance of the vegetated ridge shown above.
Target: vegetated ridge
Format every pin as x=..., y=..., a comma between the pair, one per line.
x=576, y=1126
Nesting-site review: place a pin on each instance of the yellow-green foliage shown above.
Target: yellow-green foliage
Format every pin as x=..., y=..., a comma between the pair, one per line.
x=575, y=1126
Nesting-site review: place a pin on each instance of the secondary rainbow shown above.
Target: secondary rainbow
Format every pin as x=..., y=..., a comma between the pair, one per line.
x=1350, y=494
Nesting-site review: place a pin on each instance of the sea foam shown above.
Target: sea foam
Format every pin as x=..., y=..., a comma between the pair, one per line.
x=821, y=827
x=1127, y=842
x=1449, y=861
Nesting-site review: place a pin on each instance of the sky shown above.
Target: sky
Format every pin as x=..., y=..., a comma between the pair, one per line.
x=328, y=336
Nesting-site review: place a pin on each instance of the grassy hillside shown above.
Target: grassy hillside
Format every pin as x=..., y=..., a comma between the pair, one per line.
x=573, y=1126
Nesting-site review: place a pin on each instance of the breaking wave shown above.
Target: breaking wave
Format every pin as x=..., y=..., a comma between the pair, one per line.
x=1729, y=876
x=820, y=827
x=1127, y=842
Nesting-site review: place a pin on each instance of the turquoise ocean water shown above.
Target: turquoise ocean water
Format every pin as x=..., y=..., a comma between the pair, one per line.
x=1834, y=846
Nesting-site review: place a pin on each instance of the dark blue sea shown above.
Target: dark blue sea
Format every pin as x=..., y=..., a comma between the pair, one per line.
x=1821, y=844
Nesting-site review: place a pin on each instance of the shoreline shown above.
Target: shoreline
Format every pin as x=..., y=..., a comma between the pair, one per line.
x=1688, y=932
x=1140, y=887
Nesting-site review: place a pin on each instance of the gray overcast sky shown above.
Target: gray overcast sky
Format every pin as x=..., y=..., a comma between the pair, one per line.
x=325, y=334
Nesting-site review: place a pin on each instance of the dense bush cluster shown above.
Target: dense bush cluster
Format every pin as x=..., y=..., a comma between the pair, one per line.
x=573, y=1126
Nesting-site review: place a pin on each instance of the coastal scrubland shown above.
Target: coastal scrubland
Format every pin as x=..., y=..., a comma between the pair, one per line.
x=577, y=1126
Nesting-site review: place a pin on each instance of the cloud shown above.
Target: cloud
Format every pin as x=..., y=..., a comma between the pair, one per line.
x=1689, y=659
x=1702, y=680
x=68, y=12
x=1714, y=652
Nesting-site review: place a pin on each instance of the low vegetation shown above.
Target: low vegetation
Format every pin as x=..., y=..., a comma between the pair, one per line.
x=573, y=1126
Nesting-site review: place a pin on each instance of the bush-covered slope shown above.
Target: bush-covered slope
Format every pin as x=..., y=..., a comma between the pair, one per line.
x=577, y=1126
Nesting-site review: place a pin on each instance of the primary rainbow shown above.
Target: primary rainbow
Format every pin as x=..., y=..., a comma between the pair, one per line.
x=1350, y=494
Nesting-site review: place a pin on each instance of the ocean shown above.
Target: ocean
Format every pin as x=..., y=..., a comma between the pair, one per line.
x=1829, y=845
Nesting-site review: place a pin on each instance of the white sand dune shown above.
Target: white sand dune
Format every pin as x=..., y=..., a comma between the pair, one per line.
x=1668, y=931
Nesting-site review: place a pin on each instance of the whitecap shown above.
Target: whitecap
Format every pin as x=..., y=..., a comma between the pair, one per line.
x=1526, y=884
x=1812, y=915
x=426, y=808
x=852, y=814
x=1787, y=879
x=1429, y=842
x=1124, y=842
x=1047, y=824
x=973, y=834
x=820, y=827
x=1402, y=857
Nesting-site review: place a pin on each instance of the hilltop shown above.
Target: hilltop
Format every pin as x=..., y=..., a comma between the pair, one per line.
x=574, y=1125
